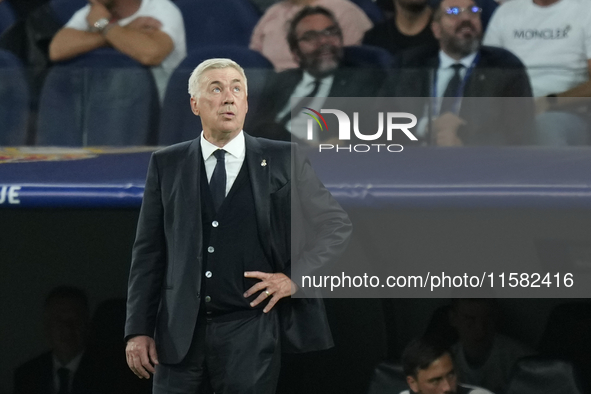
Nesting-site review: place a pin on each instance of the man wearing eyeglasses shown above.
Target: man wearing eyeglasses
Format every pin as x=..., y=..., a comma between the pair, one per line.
x=553, y=39
x=316, y=43
x=461, y=69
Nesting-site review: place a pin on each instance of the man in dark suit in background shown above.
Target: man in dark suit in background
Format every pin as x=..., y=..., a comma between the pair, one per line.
x=67, y=368
x=463, y=69
x=316, y=42
x=209, y=290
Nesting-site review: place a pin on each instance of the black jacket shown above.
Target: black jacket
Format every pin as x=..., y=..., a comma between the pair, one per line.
x=502, y=114
x=165, y=280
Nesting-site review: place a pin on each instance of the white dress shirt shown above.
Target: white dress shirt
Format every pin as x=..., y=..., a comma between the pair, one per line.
x=445, y=73
x=298, y=126
x=234, y=157
x=72, y=366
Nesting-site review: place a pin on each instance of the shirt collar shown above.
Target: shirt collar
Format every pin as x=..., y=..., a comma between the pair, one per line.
x=445, y=61
x=308, y=79
x=72, y=365
x=235, y=147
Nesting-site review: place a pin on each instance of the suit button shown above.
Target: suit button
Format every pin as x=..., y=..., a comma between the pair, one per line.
x=215, y=223
x=207, y=299
x=210, y=249
x=208, y=274
x=198, y=295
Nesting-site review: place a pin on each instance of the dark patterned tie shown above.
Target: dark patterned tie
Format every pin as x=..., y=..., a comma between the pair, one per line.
x=217, y=185
x=451, y=92
x=64, y=378
x=305, y=101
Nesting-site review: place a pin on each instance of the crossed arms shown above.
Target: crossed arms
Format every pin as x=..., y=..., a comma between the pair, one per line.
x=141, y=40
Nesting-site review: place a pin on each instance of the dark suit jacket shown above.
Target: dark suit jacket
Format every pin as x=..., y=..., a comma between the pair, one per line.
x=348, y=82
x=36, y=377
x=166, y=272
x=490, y=119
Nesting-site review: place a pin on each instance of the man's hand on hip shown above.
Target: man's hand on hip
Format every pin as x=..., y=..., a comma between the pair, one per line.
x=275, y=285
x=141, y=354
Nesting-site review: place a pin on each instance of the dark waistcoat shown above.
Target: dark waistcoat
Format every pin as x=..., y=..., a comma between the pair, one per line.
x=231, y=246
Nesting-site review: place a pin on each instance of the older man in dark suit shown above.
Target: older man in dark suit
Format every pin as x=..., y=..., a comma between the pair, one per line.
x=209, y=299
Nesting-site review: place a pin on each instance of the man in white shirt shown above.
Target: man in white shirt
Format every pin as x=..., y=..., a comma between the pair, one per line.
x=149, y=31
x=553, y=39
x=429, y=369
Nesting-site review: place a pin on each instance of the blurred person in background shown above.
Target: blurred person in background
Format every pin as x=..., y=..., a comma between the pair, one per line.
x=553, y=39
x=67, y=368
x=149, y=31
x=429, y=369
x=269, y=35
x=408, y=27
x=482, y=356
x=316, y=41
x=461, y=68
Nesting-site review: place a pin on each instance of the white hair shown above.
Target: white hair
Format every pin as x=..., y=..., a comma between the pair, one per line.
x=218, y=63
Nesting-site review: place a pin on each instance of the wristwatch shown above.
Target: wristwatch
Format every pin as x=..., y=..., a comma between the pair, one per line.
x=100, y=25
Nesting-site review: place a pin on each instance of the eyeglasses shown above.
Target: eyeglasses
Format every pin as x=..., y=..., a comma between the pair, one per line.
x=456, y=11
x=314, y=36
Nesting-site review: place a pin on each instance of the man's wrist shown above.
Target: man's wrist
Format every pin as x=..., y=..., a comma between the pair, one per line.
x=100, y=25
x=108, y=28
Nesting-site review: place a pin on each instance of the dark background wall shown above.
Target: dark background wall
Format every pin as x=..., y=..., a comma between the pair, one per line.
x=40, y=249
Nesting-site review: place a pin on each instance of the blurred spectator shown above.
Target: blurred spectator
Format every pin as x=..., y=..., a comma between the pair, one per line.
x=66, y=368
x=482, y=356
x=316, y=42
x=149, y=31
x=429, y=369
x=553, y=39
x=409, y=27
x=462, y=68
x=268, y=36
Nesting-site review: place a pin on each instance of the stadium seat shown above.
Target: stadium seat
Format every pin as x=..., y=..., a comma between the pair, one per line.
x=14, y=101
x=214, y=22
x=64, y=9
x=100, y=98
x=540, y=375
x=177, y=122
x=7, y=16
x=388, y=378
x=568, y=335
x=371, y=9
x=367, y=56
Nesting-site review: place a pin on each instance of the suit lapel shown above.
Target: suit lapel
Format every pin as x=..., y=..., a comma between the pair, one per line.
x=191, y=186
x=259, y=172
x=339, y=86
